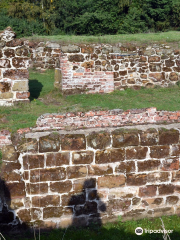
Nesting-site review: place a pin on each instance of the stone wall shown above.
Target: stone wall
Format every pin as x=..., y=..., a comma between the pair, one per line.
x=61, y=178
x=44, y=55
x=13, y=69
x=110, y=118
x=104, y=68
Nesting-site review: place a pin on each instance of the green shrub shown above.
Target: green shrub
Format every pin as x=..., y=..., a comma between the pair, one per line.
x=21, y=26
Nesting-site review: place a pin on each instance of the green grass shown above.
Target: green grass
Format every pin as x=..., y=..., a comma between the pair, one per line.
x=114, y=231
x=148, y=38
x=46, y=99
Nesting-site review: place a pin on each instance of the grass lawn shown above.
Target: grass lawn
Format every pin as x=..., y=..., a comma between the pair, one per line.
x=147, y=38
x=45, y=99
x=112, y=231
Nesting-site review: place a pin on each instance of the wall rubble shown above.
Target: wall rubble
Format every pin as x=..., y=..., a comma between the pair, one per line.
x=57, y=179
x=14, y=58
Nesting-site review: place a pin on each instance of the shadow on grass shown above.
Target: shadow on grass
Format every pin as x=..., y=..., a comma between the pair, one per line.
x=35, y=88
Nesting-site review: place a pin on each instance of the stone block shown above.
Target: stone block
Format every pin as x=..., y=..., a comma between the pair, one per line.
x=16, y=189
x=80, y=185
x=57, y=159
x=117, y=205
x=22, y=95
x=33, y=161
x=47, y=174
x=73, y=142
x=111, y=181
x=158, y=177
x=50, y=143
x=169, y=63
x=170, y=164
x=136, y=201
x=136, y=153
x=52, y=212
x=9, y=153
x=27, y=145
x=58, y=79
x=168, y=137
x=87, y=49
x=61, y=187
x=76, y=58
x=5, y=63
x=173, y=76
x=16, y=74
x=123, y=138
x=20, y=86
x=82, y=157
x=89, y=64
x=22, y=51
x=40, y=188
x=36, y=213
x=24, y=215
x=19, y=62
x=9, y=53
x=154, y=59
x=70, y=49
x=6, y=95
x=45, y=201
x=172, y=200
x=110, y=156
x=158, y=212
x=88, y=208
x=76, y=172
x=155, y=67
x=99, y=140
x=166, y=189
x=136, y=179
x=73, y=199
x=126, y=167
x=159, y=151
x=156, y=77
x=135, y=214
x=15, y=43
x=176, y=176
x=148, y=191
x=97, y=170
x=149, y=137
x=16, y=203
x=149, y=165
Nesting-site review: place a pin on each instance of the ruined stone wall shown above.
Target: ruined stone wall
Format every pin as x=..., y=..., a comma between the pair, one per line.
x=13, y=69
x=102, y=68
x=110, y=118
x=56, y=179
x=44, y=55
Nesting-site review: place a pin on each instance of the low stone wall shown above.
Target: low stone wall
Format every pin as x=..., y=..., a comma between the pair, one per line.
x=59, y=178
x=14, y=58
x=110, y=118
x=104, y=68
x=44, y=55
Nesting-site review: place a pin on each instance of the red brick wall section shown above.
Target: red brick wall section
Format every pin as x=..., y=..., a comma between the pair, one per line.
x=56, y=180
x=13, y=68
x=110, y=118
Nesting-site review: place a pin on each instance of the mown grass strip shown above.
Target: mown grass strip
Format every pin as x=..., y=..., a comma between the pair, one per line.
x=162, y=37
x=45, y=99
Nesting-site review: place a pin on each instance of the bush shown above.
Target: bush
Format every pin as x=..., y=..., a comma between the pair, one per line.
x=21, y=26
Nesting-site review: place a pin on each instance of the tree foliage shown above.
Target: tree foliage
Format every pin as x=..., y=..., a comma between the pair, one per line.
x=89, y=16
